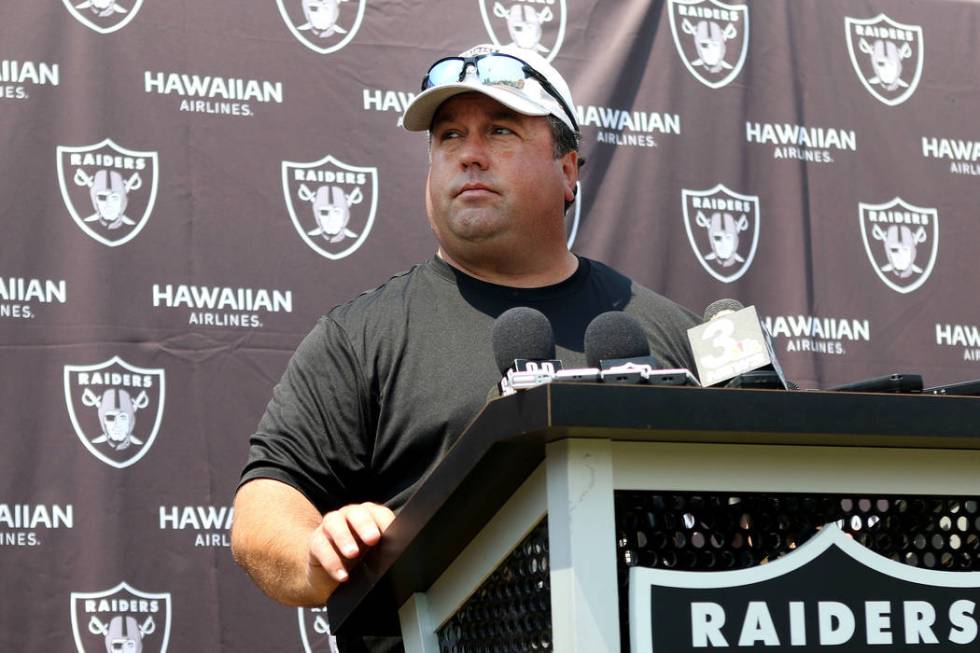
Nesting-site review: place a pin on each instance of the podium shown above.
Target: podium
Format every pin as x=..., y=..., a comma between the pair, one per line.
x=526, y=531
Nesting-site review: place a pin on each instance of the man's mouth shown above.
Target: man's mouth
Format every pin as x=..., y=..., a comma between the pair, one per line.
x=474, y=189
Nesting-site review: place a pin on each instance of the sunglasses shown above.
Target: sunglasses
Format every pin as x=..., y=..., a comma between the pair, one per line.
x=492, y=70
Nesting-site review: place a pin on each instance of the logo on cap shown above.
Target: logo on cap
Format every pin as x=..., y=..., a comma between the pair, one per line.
x=115, y=408
x=887, y=56
x=109, y=190
x=323, y=26
x=712, y=38
x=332, y=204
x=902, y=242
x=122, y=618
x=103, y=16
x=723, y=229
x=527, y=25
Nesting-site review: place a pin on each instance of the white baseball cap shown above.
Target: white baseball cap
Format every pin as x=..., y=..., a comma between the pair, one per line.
x=527, y=96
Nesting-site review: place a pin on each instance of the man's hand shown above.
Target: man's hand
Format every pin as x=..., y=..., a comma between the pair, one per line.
x=295, y=554
x=344, y=534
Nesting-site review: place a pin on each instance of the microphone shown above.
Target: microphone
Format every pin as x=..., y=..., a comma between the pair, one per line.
x=524, y=349
x=617, y=345
x=734, y=345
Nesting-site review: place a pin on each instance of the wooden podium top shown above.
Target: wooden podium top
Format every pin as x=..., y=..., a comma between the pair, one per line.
x=506, y=442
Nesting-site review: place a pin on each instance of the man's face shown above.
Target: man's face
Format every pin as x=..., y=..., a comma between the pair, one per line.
x=493, y=178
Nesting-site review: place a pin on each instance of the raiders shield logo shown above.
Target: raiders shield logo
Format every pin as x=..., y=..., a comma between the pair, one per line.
x=902, y=242
x=712, y=38
x=323, y=26
x=332, y=204
x=115, y=408
x=108, y=190
x=535, y=26
x=315, y=631
x=573, y=216
x=121, y=619
x=886, y=55
x=103, y=16
x=830, y=594
x=723, y=229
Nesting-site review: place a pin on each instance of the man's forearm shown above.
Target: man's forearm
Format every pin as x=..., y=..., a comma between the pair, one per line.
x=270, y=540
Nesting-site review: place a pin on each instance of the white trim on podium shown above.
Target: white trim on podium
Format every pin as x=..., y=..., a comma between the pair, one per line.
x=582, y=543
x=781, y=468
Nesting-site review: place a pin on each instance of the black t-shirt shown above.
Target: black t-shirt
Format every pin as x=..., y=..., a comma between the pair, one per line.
x=382, y=386
x=380, y=389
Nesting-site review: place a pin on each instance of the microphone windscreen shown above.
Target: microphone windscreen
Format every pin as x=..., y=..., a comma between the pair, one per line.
x=714, y=308
x=521, y=332
x=614, y=334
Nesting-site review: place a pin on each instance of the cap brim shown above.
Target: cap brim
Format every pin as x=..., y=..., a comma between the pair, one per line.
x=418, y=116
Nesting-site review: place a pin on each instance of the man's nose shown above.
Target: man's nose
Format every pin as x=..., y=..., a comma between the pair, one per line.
x=475, y=151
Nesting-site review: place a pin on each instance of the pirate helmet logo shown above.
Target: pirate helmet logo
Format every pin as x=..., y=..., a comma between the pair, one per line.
x=314, y=629
x=115, y=409
x=525, y=25
x=332, y=204
x=122, y=619
x=712, y=38
x=902, y=242
x=887, y=56
x=323, y=26
x=109, y=190
x=723, y=229
x=103, y=16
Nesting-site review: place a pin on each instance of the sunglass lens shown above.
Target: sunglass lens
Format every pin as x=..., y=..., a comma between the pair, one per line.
x=444, y=72
x=501, y=70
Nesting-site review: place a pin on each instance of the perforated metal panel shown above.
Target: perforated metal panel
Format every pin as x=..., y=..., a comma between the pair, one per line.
x=511, y=611
x=717, y=532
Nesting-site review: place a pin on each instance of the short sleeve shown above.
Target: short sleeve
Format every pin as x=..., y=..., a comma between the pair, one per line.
x=315, y=434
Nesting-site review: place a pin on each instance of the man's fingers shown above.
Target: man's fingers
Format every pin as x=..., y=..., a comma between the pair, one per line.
x=323, y=552
x=383, y=516
x=335, y=526
x=361, y=518
x=342, y=532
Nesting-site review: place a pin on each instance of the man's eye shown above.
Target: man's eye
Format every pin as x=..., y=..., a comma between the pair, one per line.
x=448, y=134
x=502, y=130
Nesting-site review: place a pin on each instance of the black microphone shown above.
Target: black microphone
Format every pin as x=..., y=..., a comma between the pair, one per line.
x=733, y=345
x=617, y=344
x=524, y=349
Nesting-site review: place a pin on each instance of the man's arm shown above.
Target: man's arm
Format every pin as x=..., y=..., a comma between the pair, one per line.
x=294, y=554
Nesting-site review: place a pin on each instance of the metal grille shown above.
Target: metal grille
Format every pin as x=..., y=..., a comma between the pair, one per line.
x=511, y=611
x=717, y=532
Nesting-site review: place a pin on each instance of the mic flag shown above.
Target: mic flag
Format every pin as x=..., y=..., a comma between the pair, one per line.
x=731, y=343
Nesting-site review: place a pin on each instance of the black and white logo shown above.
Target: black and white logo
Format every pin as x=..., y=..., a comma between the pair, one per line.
x=115, y=408
x=887, y=56
x=323, y=26
x=535, y=25
x=332, y=204
x=122, y=618
x=314, y=629
x=902, y=242
x=830, y=594
x=723, y=229
x=712, y=38
x=108, y=190
x=103, y=16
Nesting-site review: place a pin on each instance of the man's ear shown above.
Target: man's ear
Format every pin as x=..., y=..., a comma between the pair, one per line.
x=569, y=169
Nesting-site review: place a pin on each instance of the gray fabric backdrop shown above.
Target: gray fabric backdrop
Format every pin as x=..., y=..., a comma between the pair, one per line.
x=163, y=164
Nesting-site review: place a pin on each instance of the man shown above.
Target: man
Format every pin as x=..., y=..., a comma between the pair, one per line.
x=380, y=389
